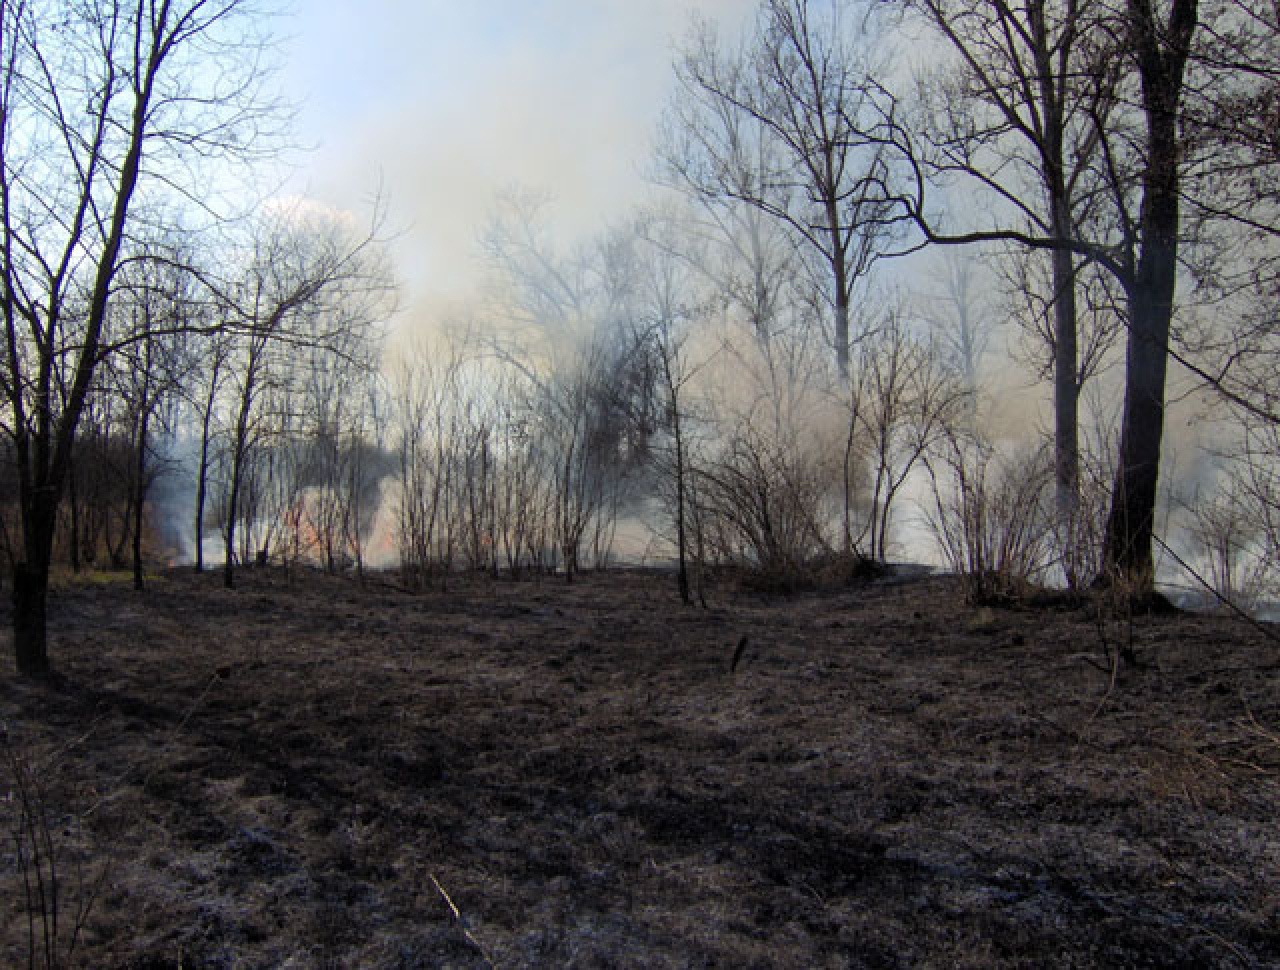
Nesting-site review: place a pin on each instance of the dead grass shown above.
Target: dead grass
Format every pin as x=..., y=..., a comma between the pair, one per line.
x=306, y=773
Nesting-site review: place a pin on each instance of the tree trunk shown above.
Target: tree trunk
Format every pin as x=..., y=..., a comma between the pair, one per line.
x=233, y=500
x=239, y=449
x=1066, y=406
x=139, y=500
x=229, y=547
x=30, y=588
x=31, y=583
x=682, y=543
x=842, y=324
x=1131, y=524
x=202, y=471
x=1161, y=55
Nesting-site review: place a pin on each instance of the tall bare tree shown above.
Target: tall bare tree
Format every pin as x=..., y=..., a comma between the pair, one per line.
x=1160, y=36
x=780, y=124
x=669, y=310
x=1019, y=107
x=157, y=314
x=1142, y=49
x=103, y=103
x=960, y=314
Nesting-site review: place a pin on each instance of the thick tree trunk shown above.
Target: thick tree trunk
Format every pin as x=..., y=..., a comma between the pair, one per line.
x=30, y=591
x=1161, y=55
x=1131, y=525
x=31, y=583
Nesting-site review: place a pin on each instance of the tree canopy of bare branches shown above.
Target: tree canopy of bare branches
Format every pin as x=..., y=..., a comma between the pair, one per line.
x=107, y=110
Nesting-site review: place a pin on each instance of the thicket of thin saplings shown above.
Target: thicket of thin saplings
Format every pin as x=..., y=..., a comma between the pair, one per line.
x=717, y=445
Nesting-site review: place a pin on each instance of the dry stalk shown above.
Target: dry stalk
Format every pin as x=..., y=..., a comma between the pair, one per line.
x=461, y=921
x=47, y=895
x=1111, y=686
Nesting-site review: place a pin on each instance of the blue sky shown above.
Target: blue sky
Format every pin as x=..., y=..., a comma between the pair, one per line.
x=447, y=103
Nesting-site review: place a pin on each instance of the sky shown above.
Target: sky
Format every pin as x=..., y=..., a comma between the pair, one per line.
x=442, y=105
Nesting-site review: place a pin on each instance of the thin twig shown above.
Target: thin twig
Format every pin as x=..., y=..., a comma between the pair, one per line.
x=461, y=920
x=1262, y=628
x=1115, y=669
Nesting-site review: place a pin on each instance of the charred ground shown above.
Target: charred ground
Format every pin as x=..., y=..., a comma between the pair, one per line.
x=308, y=772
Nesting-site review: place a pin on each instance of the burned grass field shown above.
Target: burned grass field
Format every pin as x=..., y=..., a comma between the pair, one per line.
x=306, y=772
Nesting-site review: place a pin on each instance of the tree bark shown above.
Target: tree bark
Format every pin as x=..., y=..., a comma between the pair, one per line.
x=140, y=498
x=842, y=332
x=1131, y=524
x=1066, y=402
x=229, y=539
x=202, y=471
x=1162, y=50
x=31, y=582
x=30, y=587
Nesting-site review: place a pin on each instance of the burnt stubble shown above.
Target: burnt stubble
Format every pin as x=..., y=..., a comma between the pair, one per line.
x=311, y=772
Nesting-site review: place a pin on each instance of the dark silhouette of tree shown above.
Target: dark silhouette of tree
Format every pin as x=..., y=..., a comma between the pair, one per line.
x=104, y=104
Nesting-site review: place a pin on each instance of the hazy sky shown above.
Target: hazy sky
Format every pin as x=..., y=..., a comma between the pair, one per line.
x=447, y=103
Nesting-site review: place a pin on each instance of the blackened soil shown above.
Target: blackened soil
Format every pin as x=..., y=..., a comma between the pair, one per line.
x=306, y=772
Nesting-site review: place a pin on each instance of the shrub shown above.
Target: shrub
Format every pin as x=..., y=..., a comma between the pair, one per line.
x=991, y=516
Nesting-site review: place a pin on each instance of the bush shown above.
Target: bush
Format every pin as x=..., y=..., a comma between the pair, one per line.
x=992, y=517
x=763, y=503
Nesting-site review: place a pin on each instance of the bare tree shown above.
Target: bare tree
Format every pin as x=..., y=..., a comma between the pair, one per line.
x=1161, y=43
x=159, y=307
x=423, y=389
x=578, y=436
x=669, y=311
x=779, y=126
x=960, y=313
x=204, y=391
x=340, y=465
x=743, y=252
x=1141, y=52
x=1029, y=87
x=100, y=103
x=309, y=283
x=1232, y=198
x=990, y=514
x=902, y=399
